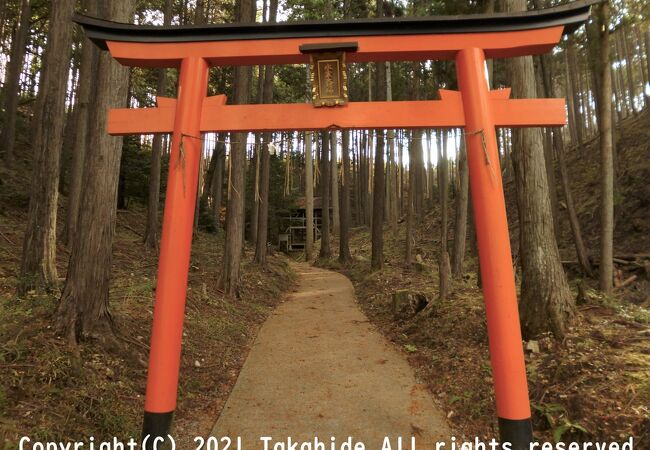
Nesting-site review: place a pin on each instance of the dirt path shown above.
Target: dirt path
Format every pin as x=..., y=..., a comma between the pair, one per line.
x=318, y=368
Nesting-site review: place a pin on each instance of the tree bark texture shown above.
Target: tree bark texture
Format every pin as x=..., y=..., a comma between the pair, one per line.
x=217, y=182
x=11, y=88
x=410, y=210
x=606, y=273
x=309, y=197
x=325, y=250
x=38, y=263
x=234, y=243
x=572, y=61
x=379, y=189
x=391, y=180
x=87, y=75
x=263, y=212
x=346, y=180
x=153, y=202
x=546, y=303
x=336, y=215
x=462, y=200
x=443, y=261
x=85, y=299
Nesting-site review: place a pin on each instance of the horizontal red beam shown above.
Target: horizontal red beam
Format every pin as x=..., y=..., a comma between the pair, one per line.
x=503, y=44
x=444, y=113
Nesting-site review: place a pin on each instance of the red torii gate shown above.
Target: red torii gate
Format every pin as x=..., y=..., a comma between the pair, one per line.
x=469, y=40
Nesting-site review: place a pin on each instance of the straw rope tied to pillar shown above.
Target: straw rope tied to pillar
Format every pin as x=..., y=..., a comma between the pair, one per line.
x=485, y=149
x=467, y=40
x=181, y=154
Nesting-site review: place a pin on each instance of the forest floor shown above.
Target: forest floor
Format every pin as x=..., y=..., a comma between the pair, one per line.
x=319, y=368
x=593, y=385
x=49, y=394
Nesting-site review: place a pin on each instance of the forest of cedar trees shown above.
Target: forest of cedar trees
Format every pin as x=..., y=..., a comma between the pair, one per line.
x=81, y=216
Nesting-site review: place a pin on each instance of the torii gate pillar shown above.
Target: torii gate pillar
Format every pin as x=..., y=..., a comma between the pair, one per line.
x=499, y=291
x=468, y=40
x=175, y=248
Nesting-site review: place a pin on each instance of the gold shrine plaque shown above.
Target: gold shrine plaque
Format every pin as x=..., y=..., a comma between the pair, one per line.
x=329, y=79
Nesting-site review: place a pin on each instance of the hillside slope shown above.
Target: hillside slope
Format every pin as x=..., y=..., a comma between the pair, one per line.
x=594, y=385
x=52, y=392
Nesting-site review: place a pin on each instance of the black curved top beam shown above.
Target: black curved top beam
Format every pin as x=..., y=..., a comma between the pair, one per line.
x=571, y=15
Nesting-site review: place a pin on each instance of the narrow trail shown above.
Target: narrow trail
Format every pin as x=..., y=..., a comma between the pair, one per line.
x=318, y=368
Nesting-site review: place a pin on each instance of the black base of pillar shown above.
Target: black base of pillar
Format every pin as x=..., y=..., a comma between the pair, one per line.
x=157, y=424
x=518, y=432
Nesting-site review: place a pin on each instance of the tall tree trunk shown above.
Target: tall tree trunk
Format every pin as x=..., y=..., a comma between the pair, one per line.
x=462, y=199
x=619, y=81
x=84, y=302
x=3, y=18
x=606, y=156
x=336, y=216
x=587, y=100
x=234, y=243
x=367, y=177
x=257, y=152
x=217, y=181
x=263, y=213
x=558, y=143
x=546, y=302
x=309, y=183
x=443, y=261
x=325, y=250
x=391, y=180
x=473, y=244
x=572, y=108
x=87, y=75
x=575, y=91
x=400, y=177
x=583, y=107
x=367, y=150
x=309, y=197
x=361, y=201
x=546, y=69
x=645, y=76
x=416, y=138
x=489, y=9
x=377, y=255
x=617, y=98
x=255, y=197
x=151, y=230
x=38, y=263
x=346, y=180
x=624, y=81
x=625, y=44
x=199, y=187
x=420, y=180
x=581, y=251
x=209, y=178
x=11, y=88
x=354, y=193
x=199, y=19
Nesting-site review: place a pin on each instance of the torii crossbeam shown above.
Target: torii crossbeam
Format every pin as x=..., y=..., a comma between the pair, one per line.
x=468, y=40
